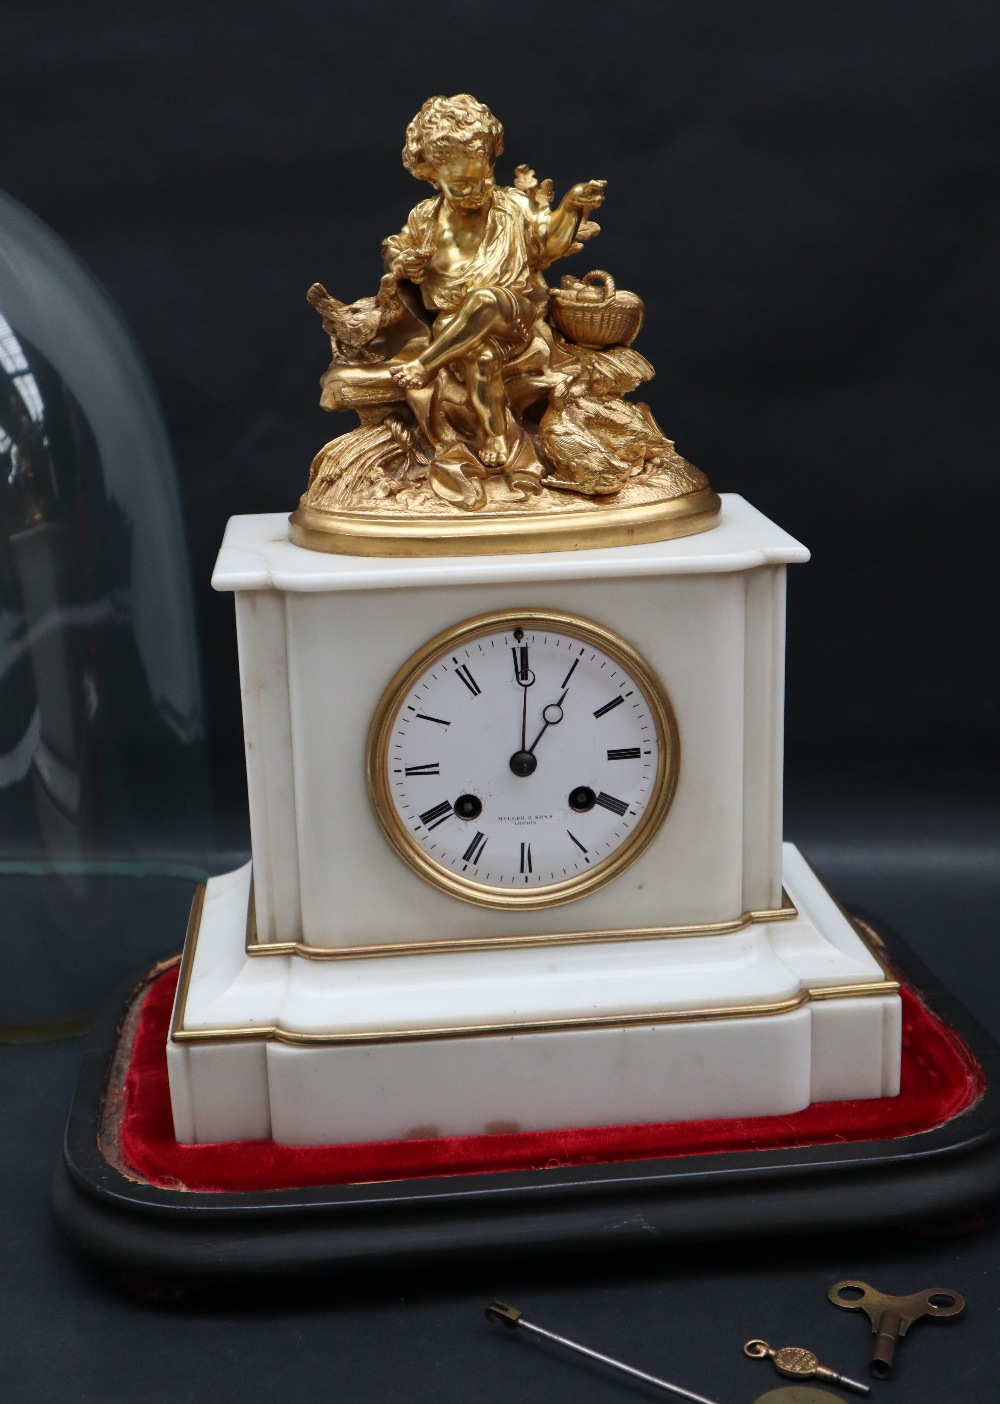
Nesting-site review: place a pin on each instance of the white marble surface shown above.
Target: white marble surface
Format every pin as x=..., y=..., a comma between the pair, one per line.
x=321, y=636
x=257, y=555
x=381, y=1088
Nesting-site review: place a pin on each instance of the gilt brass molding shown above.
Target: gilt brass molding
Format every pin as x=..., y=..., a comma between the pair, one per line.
x=488, y=534
x=187, y=958
x=554, y=894
x=276, y=1033
x=254, y=947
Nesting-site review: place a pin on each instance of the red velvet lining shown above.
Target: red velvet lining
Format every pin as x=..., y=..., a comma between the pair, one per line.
x=941, y=1078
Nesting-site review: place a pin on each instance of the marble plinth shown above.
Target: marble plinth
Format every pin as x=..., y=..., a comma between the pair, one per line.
x=760, y=1020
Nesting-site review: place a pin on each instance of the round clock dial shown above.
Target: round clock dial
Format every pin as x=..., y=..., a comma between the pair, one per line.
x=522, y=759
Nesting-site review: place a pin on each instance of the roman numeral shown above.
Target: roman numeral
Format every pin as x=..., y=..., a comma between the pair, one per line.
x=475, y=849
x=609, y=706
x=440, y=720
x=616, y=806
x=468, y=679
x=433, y=817
x=623, y=753
x=521, y=664
x=525, y=857
x=577, y=842
x=433, y=769
x=570, y=673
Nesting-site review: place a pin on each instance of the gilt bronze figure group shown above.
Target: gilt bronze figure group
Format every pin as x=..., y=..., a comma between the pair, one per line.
x=483, y=392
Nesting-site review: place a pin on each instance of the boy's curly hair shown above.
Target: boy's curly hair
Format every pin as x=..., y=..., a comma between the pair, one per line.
x=444, y=123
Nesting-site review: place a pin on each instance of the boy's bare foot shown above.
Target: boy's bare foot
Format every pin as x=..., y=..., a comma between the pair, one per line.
x=411, y=375
x=494, y=451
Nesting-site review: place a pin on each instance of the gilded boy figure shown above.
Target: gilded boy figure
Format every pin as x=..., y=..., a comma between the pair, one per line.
x=477, y=251
x=479, y=388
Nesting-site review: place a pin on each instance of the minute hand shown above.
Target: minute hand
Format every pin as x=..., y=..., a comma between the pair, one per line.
x=555, y=707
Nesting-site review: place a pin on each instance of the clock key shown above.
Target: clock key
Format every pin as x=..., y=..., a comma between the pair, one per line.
x=796, y=1363
x=892, y=1317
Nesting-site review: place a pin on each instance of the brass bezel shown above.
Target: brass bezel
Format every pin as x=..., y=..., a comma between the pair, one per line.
x=571, y=889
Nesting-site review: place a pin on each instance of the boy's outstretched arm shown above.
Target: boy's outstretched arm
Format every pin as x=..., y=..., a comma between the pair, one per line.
x=564, y=221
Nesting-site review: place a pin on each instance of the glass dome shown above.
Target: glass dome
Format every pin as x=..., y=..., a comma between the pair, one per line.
x=104, y=797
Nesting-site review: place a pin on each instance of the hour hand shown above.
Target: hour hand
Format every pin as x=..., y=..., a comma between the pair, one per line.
x=524, y=677
x=521, y=762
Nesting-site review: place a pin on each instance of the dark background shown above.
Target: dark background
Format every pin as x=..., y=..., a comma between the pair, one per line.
x=806, y=196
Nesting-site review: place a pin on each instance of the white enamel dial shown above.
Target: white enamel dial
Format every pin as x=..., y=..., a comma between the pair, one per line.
x=522, y=759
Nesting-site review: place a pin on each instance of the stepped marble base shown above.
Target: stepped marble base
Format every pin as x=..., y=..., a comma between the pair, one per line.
x=763, y=1020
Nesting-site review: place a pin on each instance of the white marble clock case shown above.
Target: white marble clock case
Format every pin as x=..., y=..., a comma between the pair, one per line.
x=309, y=1030
x=320, y=637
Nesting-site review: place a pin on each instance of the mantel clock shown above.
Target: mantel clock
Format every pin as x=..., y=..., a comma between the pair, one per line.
x=513, y=695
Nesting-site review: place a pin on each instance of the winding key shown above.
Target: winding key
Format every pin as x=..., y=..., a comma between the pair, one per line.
x=795, y=1363
x=892, y=1317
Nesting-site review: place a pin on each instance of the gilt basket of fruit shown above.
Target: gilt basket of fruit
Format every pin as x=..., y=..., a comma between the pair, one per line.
x=592, y=311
